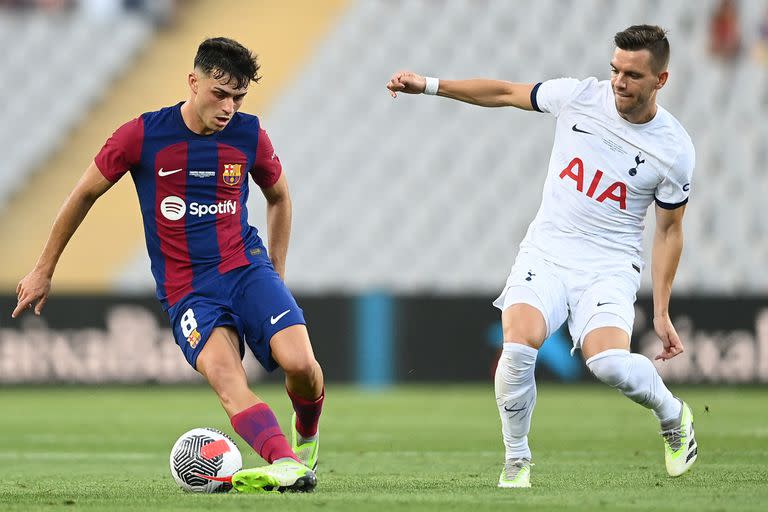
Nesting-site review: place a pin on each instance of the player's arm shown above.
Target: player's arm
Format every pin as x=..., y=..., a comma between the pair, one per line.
x=36, y=285
x=278, y=222
x=667, y=247
x=477, y=91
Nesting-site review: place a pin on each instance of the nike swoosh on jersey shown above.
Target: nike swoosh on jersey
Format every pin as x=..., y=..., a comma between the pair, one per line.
x=580, y=130
x=162, y=173
x=274, y=319
x=604, y=303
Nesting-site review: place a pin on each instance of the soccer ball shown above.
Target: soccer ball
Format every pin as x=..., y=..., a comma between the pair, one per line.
x=204, y=451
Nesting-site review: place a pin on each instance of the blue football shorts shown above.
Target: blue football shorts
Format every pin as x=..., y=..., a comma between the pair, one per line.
x=253, y=300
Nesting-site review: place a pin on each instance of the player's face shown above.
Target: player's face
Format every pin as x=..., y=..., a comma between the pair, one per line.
x=634, y=83
x=215, y=101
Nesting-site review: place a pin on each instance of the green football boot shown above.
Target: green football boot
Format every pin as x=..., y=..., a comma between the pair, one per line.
x=516, y=473
x=680, y=448
x=305, y=449
x=280, y=476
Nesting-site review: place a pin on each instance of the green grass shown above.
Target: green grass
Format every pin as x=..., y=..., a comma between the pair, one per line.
x=416, y=448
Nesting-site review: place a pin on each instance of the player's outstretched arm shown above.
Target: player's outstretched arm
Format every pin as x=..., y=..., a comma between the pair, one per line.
x=278, y=222
x=667, y=247
x=477, y=91
x=33, y=289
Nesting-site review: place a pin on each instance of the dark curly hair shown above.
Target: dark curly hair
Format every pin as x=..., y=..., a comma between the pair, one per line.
x=219, y=57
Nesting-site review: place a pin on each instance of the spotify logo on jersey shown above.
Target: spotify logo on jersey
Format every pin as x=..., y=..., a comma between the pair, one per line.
x=173, y=208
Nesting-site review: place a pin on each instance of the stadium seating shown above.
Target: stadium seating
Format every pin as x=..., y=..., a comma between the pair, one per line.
x=56, y=65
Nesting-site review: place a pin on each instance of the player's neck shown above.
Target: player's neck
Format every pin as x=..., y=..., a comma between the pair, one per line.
x=193, y=122
x=641, y=116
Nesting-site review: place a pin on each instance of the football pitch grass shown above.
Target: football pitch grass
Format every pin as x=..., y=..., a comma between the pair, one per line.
x=426, y=448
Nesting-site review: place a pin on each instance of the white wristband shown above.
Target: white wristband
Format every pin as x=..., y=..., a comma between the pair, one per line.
x=432, y=85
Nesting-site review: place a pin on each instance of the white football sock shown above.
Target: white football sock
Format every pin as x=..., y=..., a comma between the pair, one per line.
x=516, y=396
x=636, y=377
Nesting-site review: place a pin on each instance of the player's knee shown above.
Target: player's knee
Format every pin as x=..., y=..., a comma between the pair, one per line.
x=302, y=367
x=223, y=378
x=523, y=336
x=524, y=324
x=612, y=367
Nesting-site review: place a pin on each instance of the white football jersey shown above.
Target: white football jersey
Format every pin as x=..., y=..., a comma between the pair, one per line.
x=603, y=174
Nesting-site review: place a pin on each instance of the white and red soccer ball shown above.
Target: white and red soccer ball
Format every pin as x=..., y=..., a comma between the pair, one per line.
x=201, y=453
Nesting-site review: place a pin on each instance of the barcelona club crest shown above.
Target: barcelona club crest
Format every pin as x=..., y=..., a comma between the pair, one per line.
x=232, y=174
x=194, y=338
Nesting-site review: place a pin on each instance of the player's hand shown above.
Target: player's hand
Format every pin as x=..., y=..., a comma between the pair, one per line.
x=669, y=338
x=407, y=82
x=32, y=291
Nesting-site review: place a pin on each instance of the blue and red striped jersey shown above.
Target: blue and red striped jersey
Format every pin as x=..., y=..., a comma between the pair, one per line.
x=193, y=191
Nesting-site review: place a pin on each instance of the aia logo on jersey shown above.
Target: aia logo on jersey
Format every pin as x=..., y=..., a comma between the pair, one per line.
x=232, y=174
x=616, y=191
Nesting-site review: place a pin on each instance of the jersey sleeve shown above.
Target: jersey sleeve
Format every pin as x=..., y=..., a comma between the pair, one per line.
x=267, y=167
x=122, y=151
x=551, y=96
x=674, y=189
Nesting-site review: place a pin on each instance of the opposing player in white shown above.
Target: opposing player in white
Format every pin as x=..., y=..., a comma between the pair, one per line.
x=615, y=152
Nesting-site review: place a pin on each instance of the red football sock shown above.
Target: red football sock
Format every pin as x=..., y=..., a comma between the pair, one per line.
x=259, y=427
x=307, y=413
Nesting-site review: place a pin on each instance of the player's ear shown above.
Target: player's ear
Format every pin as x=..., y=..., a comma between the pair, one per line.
x=192, y=81
x=662, y=79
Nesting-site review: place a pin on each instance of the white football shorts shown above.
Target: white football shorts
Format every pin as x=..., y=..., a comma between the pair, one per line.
x=588, y=300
